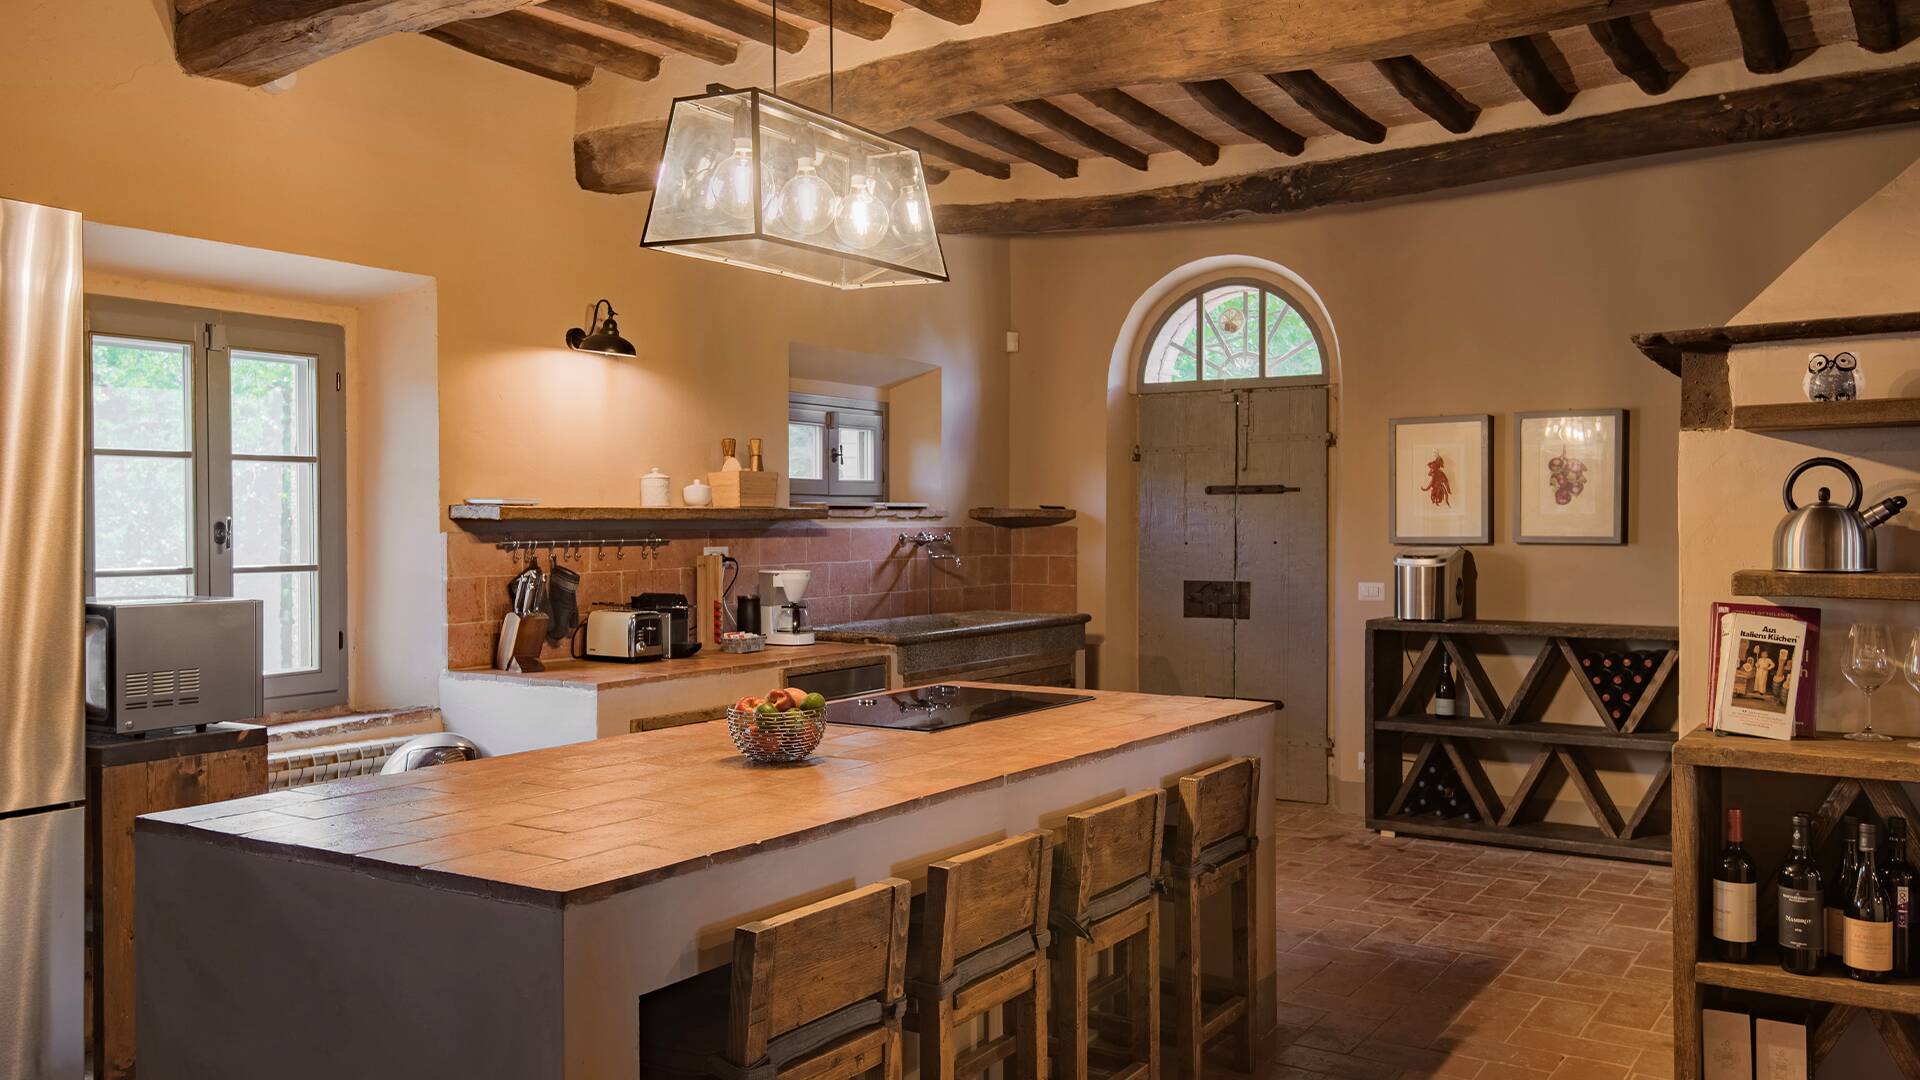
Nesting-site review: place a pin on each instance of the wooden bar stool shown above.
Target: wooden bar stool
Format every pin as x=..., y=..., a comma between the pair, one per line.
x=814, y=994
x=1105, y=897
x=982, y=945
x=1212, y=829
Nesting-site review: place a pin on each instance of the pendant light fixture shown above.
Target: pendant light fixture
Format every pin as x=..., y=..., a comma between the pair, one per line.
x=601, y=335
x=750, y=178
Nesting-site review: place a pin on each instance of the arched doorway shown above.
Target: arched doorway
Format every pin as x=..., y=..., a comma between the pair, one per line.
x=1233, y=377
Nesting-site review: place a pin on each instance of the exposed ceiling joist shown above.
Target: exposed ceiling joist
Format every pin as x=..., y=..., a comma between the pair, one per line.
x=566, y=43
x=1154, y=123
x=514, y=54
x=1330, y=106
x=737, y=18
x=1876, y=24
x=1778, y=110
x=1007, y=141
x=1527, y=67
x=946, y=151
x=1631, y=54
x=1229, y=106
x=626, y=20
x=1065, y=124
x=1763, y=40
x=1429, y=93
x=853, y=16
x=959, y=12
x=252, y=43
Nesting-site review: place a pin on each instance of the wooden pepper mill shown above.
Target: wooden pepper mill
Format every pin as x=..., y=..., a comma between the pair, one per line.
x=753, y=455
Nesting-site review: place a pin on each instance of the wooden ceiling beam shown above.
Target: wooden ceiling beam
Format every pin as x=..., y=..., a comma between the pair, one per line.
x=1876, y=24
x=1631, y=54
x=958, y=12
x=1154, y=123
x=946, y=151
x=1065, y=124
x=855, y=17
x=1779, y=110
x=1527, y=67
x=1763, y=40
x=1007, y=141
x=250, y=43
x=626, y=20
x=566, y=43
x=737, y=18
x=1429, y=93
x=1229, y=106
x=1330, y=106
x=513, y=54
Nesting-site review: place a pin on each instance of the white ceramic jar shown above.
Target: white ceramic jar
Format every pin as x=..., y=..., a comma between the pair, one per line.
x=698, y=493
x=656, y=489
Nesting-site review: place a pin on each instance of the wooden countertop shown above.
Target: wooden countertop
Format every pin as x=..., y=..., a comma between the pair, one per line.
x=580, y=822
x=594, y=676
x=106, y=749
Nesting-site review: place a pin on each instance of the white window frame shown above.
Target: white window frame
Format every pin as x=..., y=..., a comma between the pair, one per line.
x=1191, y=298
x=210, y=337
x=832, y=414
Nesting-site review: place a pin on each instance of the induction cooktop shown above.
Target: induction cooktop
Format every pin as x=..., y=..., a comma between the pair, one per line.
x=937, y=708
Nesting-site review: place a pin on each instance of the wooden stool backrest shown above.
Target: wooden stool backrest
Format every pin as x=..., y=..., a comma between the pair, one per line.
x=1107, y=847
x=1212, y=805
x=984, y=897
x=802, y=965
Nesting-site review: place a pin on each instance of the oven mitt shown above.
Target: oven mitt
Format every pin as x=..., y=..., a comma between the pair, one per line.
x=563, y=587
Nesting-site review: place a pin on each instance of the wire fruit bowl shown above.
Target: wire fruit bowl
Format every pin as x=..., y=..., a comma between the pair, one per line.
x=777, y=738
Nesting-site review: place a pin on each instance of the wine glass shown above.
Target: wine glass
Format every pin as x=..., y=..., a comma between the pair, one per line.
x=1911, y=669
x=1869, y=667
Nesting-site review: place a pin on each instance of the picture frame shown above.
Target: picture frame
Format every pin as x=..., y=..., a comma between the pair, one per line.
x=1440, y=480
x=1570, y=476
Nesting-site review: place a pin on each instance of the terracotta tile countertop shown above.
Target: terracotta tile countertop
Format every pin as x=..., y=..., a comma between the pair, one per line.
x=604, y=675
x=580, y=822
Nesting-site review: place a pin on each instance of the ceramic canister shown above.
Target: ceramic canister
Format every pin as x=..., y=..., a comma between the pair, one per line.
x=656, y=489
x=698, y=493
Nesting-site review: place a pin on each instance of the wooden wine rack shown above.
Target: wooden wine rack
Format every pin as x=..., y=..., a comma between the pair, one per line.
x=1399, y=693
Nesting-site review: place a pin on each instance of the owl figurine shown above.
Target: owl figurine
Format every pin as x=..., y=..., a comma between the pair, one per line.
x=1832, y=379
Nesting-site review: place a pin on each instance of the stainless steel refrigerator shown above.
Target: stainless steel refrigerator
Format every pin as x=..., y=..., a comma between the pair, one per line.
x=42, y=413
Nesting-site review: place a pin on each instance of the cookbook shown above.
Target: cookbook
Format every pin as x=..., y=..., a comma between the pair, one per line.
x=1763, y=673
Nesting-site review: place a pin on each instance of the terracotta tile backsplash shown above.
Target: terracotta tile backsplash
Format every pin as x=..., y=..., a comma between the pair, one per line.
x=859, y=572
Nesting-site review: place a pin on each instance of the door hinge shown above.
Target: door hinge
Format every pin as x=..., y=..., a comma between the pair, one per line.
x=343, y=639
x=1332, y=439
x=1136, y=451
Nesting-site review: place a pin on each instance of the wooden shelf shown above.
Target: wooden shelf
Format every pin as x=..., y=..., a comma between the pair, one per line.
x=1536, y=835
x=1513, y=628
x=1816, y=755
x=1828, y=415
x=1668, y=346
x=1548, y=734
x=1764, y=978
x=1883, y=585
x=1021, y=517
x=534, y=515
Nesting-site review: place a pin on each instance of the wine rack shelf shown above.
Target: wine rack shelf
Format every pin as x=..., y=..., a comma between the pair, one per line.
x=1404, y=737
x=1863, y=779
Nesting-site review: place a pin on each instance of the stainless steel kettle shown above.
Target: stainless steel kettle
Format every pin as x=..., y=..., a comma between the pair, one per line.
x=1825, y=536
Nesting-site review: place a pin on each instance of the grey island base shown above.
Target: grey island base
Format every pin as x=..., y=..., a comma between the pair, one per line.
x=502, y=918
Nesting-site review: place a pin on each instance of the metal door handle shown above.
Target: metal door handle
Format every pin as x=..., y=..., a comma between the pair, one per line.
x=223, y=534
x=1249, y=489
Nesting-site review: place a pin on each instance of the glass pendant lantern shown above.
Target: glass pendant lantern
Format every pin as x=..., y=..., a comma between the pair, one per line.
x=752, y=179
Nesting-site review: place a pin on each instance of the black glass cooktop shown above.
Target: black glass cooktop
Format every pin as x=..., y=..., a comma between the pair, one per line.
x=937, y=708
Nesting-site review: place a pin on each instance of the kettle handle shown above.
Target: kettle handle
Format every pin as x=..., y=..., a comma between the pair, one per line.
x=1786, y=491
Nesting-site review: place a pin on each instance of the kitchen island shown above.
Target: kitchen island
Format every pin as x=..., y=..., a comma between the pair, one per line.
x=503, y=917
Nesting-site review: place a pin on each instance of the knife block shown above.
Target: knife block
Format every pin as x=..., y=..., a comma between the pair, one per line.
x=742, y=488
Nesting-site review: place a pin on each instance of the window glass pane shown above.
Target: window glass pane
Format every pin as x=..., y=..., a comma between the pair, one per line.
x=275, y=513
x=140, y=394
x=1174, y=355
x=805, y=456
x=1291, y=349
x=273, y=408
x=140, y=511
x=858, y=455
x=1231, y=334
x=290, y=619
x=145, y=585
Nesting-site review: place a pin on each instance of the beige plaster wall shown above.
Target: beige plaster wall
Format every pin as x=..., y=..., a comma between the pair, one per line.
x=1494, y=300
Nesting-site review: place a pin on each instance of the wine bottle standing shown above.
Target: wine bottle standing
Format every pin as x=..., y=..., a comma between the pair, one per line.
x=1734, y=897
x=1900, y=884
x=1800, y=901
x=1869, y=914
x=1446, y=693
x=1834, y=918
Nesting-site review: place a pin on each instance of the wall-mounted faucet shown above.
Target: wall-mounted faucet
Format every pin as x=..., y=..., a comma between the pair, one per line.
x=929, y=540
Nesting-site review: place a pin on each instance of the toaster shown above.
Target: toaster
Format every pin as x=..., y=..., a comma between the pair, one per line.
x=627, y=636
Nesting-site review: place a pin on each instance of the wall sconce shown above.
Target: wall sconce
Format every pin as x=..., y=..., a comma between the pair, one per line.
x=601, y=336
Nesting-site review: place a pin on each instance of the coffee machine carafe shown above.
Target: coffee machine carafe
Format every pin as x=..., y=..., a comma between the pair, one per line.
x=782, y=614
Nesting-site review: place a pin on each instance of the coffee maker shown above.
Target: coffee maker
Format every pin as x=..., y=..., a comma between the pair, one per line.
x=782, y=614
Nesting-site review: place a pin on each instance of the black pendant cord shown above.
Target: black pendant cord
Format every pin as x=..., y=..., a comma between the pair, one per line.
x=830, y=111
x=773, y=39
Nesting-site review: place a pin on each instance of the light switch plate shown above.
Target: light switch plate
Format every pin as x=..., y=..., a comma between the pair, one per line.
x=715, y=550
x=1373, y=590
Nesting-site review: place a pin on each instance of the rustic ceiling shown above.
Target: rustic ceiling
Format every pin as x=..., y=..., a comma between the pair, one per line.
x=1081, y=115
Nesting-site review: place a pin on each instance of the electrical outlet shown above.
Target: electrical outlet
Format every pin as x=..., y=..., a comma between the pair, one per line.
x=715, y=550
x=1373, y=590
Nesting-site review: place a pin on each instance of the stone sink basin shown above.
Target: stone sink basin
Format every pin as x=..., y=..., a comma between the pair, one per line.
x=982, y=645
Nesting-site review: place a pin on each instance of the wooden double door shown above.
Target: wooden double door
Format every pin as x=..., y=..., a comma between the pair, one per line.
x=1233, y=559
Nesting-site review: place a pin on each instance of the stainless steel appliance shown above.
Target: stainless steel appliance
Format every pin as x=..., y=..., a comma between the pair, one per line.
x=1824, y=536
x=42, y=726
x=682, y=639
x=783, y=614
x=628, y=636
x=158, y=663
x=937, y=708
x=1433, y=584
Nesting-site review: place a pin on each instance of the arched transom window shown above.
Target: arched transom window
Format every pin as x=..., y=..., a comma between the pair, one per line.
x=1238, y=331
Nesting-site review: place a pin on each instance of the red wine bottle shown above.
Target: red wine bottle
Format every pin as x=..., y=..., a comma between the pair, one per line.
x=1901, y=883
x=1446, y=692
x=1735, y=897
x=1800, y=934
x=1869, y=914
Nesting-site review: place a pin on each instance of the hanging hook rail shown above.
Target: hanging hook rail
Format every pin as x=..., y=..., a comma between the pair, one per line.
x=573, y=550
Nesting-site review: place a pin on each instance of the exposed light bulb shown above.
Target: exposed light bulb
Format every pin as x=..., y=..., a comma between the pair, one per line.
x=912, y=224
x=807, y=201
x=731, y=190
x=863, y=217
